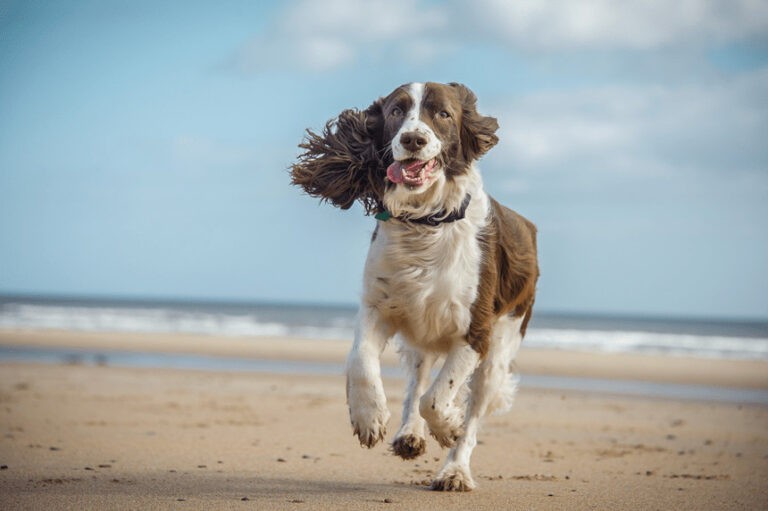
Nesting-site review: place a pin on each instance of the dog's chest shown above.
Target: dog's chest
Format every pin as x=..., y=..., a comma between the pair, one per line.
x=423, y=282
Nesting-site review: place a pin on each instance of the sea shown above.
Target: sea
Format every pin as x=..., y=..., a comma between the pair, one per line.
x=710, y=338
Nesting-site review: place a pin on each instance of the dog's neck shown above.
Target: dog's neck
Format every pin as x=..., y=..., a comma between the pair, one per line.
x=443, y=197
x=441, y=217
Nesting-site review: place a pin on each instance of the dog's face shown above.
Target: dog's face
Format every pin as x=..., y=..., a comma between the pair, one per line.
x=432, y=131
x=420, y=134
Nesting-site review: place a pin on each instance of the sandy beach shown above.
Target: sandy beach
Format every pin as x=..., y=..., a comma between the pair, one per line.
x=85, y=436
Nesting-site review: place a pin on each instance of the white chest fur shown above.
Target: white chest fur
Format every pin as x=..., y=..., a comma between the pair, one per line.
x=423, y=281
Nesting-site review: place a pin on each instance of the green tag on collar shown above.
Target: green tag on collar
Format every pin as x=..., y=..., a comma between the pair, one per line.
x=383, y=216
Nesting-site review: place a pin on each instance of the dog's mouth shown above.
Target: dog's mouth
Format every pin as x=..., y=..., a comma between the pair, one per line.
x=411, y=172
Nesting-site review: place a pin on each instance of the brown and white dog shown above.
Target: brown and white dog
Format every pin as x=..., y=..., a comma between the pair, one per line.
x=449, y=269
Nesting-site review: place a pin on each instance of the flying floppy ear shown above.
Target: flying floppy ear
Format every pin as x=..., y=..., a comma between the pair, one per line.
x=343, y=163
x=478, y=132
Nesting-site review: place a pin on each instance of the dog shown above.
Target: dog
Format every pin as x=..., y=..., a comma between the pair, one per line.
x=449, y=269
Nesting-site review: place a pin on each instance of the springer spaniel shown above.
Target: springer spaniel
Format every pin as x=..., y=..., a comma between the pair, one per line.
x=449, y=268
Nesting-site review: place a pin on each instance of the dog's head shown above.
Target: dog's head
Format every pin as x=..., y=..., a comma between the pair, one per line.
x=419, y=135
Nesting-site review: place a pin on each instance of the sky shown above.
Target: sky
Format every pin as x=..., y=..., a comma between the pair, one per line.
x=145, y=145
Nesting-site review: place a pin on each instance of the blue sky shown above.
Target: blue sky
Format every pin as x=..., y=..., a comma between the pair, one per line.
x=144, y=146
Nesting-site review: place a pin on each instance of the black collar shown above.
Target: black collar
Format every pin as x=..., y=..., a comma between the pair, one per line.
x=441, y=217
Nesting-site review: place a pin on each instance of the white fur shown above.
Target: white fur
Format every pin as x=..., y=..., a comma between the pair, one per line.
x=413, y=123
x=421, y=282
x=425, y=279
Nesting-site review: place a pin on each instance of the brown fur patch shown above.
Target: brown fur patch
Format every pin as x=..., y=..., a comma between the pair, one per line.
x=508, y=275
x=478, y=132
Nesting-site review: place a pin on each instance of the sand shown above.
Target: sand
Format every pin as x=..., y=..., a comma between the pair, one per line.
x=91, y=437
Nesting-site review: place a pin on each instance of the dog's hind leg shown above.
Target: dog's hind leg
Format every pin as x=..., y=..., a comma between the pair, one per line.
x=492, y=388
x=365, y=391
x=410, y=440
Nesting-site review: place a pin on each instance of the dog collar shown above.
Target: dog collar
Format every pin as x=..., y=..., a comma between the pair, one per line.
x=441, y=217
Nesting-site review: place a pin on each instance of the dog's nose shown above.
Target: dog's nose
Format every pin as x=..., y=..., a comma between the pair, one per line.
x=413, y=140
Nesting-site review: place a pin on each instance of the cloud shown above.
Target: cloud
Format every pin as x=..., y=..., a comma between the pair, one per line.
x=639, y=132
x=325, y=36
x=309, y=53
x=607, y=24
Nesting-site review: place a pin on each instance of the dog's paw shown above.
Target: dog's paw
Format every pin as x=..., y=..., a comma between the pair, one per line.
x=447, y=429
x=409, y=447
x=367, y=412
x=370, y=434
x=447, y=438
x=453, y=477
x=369, y=423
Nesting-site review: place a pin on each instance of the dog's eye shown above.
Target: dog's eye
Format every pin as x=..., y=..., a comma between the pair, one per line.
x=444, y=115
x=396, y=112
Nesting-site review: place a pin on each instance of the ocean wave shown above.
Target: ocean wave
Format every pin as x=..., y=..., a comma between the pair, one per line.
x=323, y=323
x=618, y=341
x=139, y=319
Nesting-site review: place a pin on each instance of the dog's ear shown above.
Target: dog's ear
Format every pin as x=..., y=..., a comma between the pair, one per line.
x=374, y=121
x=343, y=163
x=478, y=132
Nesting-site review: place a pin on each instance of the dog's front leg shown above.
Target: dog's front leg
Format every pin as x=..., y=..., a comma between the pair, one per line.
x=365, y=391
x=409, y=442
x=438, y=405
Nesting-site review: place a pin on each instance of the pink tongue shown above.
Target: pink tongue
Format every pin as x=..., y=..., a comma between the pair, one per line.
x=395, y=171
